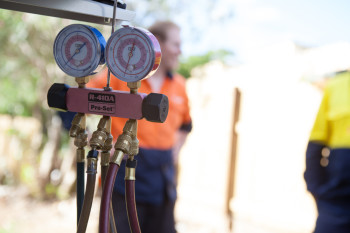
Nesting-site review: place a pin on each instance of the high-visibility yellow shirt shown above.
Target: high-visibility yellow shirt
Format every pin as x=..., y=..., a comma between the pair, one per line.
x=332, y=124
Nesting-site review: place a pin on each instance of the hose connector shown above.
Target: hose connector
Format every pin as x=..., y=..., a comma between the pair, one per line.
x=105, y=154
x=82, y=81
x=99, y=137
x=126, y=141
x=81, y=139
x=117, y=157
x=92, y=162
x=134, y=148
x=78, y=124
x=134, y=86
x=105, y=158
x=123, y=143
x=130, y=169
x=80, y=152
x=108, y=145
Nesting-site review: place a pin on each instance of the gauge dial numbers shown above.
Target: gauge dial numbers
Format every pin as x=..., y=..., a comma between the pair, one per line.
x=132, y=54
x=79, y=50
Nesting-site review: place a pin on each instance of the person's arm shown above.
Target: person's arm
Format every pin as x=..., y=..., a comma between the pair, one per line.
x=184, y=130
x=315, y=174
x=180, y=139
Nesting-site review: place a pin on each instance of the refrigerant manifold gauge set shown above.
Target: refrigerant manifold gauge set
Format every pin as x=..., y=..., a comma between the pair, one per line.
x=131, y=53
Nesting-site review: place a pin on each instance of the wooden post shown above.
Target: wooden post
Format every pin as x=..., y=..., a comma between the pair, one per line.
x=232, y=162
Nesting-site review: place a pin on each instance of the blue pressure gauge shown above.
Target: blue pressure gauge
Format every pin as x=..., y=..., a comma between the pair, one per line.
x=79, y=50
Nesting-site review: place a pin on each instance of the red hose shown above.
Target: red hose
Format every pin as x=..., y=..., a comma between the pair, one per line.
x=106, y=197
x=131, y=206
x=104, y=170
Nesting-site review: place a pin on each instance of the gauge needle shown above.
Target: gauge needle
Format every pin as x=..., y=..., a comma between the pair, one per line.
x=76, y=52
x=130, y=55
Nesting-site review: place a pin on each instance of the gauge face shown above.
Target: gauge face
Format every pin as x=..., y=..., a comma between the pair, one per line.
x=132, y=54
x=79, y=49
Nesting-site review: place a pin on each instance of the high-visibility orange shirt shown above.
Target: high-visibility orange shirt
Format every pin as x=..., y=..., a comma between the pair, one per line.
x=154, y=135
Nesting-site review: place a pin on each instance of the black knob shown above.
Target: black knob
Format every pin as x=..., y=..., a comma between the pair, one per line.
x=56, y=96
x=155, y=107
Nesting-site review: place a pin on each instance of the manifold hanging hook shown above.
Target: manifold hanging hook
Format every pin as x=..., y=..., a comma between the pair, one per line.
x=107, y=88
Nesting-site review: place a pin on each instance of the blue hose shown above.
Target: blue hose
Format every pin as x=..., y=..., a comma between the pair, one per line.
x=80, y=187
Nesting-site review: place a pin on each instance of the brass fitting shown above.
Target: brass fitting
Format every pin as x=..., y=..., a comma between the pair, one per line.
x=130, y=173
x=92, y=162
x=106, y=148
x=81, y=140
x=134, y=148
x=130, y=127
x=101, y=134
x=80, y=152
x=78, y=124
x=130, y=169
x=117, y=157
x=125, y=140
x=105, y=159
x=134, y=86
x=82, y=81
x=123, y=143
x=98, y=139
x=105, y=124
x=108, y=143
x=91, y=166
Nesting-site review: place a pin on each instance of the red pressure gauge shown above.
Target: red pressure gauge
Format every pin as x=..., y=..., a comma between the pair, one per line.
x=132, y=54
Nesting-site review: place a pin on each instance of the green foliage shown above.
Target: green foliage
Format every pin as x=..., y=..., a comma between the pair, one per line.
x=27, y=174
x=8, y=229
x=51, y=190
x=28, y=70
x=188, y=64
x=26, y=54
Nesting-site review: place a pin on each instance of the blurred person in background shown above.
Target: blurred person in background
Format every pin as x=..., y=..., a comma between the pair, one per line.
x=155, y=187
x=327, y=172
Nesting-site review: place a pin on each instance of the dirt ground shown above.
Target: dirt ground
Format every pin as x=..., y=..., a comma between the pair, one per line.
x=19, y=213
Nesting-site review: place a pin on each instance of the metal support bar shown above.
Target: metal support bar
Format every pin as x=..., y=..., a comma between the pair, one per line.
x=82, y=10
